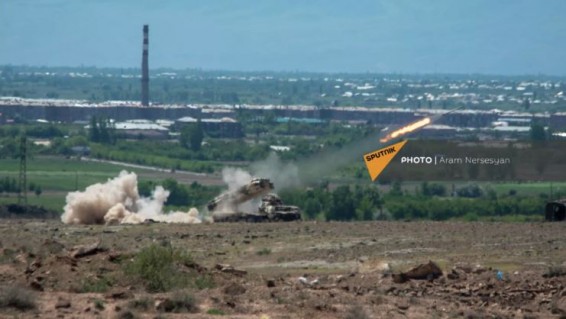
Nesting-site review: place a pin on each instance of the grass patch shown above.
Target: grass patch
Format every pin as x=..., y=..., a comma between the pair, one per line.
x=17, y=297
x=125, y=314
x=7, y=256
x=52, y=201
x=204, y=282
x=98, y=304
x=216, y=312
x=555, y=271
x=263, y=252
x=143, y=304
x=157, y=267
x=101, y=285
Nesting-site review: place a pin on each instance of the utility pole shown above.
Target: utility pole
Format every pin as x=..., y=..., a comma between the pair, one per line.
x=23, y=191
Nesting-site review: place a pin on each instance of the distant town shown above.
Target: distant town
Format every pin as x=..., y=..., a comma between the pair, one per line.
x=482, y=106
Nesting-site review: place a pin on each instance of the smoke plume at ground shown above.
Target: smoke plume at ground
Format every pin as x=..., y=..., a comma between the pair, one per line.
x=118, y=202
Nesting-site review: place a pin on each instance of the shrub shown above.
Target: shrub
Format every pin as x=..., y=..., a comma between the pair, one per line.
x=180, y=302
x=94, y=285
x=98, y=304
x=17, y=297
x=156, y=267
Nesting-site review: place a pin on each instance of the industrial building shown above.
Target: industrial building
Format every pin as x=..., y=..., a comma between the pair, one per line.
x=222, y=128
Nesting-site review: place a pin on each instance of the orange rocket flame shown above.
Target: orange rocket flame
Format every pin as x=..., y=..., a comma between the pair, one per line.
x=406, y=129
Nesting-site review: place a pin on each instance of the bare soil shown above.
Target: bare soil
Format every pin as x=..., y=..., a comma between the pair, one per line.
x=295, y=270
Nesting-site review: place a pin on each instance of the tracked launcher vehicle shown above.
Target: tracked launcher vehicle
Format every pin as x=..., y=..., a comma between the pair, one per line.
x=225, y=207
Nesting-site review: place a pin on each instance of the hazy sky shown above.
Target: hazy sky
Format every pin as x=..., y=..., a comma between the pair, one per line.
x=409, y=36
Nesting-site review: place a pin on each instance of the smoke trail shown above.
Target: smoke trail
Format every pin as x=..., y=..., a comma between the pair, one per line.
x=118, y=202
x=317, y=167
x=326, y=163
x=235, y=177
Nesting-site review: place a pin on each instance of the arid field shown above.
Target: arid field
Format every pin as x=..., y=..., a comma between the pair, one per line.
x=281, y=270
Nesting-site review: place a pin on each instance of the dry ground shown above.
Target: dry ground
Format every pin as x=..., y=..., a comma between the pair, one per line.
x=349, y=262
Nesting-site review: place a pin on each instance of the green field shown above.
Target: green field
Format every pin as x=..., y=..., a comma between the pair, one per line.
x=51, y=201
x=532, y=188
x=60, y=174
x=57, y=176
x=501, y=188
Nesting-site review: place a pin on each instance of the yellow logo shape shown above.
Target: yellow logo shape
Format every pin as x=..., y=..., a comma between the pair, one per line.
x=376, y=161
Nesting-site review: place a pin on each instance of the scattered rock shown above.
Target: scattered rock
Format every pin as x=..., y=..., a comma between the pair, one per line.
x=559, y=306
x=87, y=250
x=119, y=294
x=453, y=275
x=164, y=305
x=402, y=304
x=234, y=289
x=306, y=282
x=428, y=271
x=62, y=303
x=114, y=256
x=197, y=267
x=125, y=314
x=231, y=270
x=479, y=270
x=21, y=258
x=31, y=268
x=36, y=285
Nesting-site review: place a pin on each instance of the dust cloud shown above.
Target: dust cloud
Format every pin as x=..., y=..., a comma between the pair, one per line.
x=118, y=202
x=282, y=175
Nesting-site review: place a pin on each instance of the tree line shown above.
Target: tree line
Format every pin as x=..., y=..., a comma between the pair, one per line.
x=432, y=201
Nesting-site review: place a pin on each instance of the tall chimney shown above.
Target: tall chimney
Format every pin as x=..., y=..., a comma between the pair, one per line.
x=145, y=68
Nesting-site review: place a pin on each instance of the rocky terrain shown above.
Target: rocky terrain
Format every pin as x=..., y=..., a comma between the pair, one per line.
x=282, y=270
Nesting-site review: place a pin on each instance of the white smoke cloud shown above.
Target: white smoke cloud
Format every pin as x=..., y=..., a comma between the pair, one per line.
x=118, y=202
x=282, y=175
x=235, y=177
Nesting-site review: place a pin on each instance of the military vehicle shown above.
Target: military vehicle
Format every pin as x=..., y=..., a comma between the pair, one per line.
x=225, y=207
